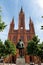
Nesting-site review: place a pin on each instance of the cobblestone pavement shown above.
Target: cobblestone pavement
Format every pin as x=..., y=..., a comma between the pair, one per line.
x=15, y=64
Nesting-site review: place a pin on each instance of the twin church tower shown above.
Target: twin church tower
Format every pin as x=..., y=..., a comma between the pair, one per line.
x=21, y=32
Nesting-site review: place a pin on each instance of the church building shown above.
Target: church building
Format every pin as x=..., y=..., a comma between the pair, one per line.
x=21, y=33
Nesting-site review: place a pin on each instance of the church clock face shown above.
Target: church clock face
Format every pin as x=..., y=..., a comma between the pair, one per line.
x=21, y=27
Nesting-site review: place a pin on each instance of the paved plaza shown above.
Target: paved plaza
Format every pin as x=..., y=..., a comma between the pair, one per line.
x=15, y=64
x=6, y=64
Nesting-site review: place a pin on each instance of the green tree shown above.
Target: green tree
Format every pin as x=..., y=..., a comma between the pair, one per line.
x=2, y=24
x=10, y=48
x=42, y=25
x=7, y=49
x=2, y=48
x=36, y=39
x=32, y=47
x=40, y=51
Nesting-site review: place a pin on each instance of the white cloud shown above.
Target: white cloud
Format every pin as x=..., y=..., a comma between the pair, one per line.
x=40, y=3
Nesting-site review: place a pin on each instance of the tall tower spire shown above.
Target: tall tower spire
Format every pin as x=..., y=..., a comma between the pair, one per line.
x=12, y=25
x=21, y=10
x=21, y=19
x=31, y=26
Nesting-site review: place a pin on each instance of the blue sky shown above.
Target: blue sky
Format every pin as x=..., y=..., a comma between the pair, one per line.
x=31, y=8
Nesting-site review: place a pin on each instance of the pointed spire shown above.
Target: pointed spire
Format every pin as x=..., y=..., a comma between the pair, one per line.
x=21, y=19
x=21, y=10
x=13, y=19
x=30, y=20
x=12, y=22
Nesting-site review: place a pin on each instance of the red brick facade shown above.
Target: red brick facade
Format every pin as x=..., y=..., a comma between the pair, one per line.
x=21, y=32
